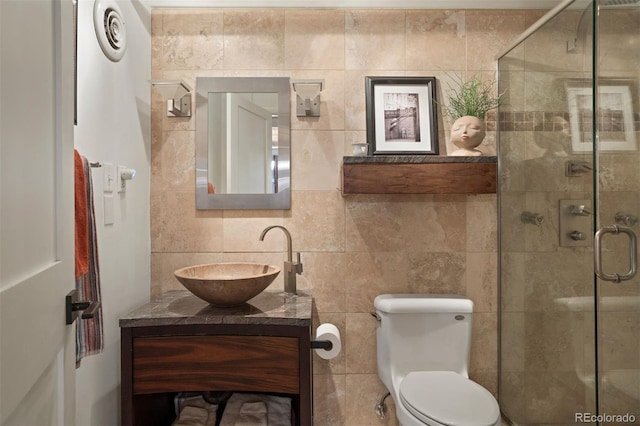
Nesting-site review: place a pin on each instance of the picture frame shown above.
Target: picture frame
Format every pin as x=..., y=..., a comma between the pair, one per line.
x=401, y=115
x=616, y=128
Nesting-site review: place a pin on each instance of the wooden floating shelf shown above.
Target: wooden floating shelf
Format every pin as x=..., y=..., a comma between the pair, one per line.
x=419, y=174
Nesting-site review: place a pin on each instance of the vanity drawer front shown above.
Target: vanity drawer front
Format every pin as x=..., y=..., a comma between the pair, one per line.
x=234, y=363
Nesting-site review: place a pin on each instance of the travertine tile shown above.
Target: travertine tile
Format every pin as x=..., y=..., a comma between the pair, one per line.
x=316, y=220
x=254, y=39
x=619, y=172
x=177, y=154
x=436, y=39
x=435, y=224
x=374, y=224
x=544, y=47
x=157, y=135
x=364, y=391
x=513, y=338
x=511, y=82
x=482, y=223
x=157, y=37
x=555, y=275
x=192, y=39
x=196, y=231
x=437, y=273
x=242, y=230
x=512, y=281
x=370, y=274
x=619, y=341
x=512, y=205
x=488, y=33
x=329, y=400
x=355, y=100
x=360, y=348
x=484, y=343
x=316, y=159
x=618, y=31
x=314, y=39
x=482, y=281
x=512, y=153
x=375, y=39
x=324, y=274
x=552, y=341
x=553, y=397
x=512, y=402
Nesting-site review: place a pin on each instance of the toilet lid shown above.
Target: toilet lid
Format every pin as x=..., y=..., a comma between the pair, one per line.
x=449, y=399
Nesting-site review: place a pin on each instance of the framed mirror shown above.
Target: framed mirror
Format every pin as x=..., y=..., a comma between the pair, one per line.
x=243, y=143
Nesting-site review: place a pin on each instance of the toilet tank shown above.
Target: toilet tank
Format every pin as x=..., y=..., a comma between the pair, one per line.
x=420, y=332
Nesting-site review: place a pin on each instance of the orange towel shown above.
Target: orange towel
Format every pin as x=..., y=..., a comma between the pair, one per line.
x=82, y=217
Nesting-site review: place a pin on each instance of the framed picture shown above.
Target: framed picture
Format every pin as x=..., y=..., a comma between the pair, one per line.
x=401, y=115
x=615, y=122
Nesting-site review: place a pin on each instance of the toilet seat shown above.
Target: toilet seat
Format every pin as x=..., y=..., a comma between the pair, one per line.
x=448, y=399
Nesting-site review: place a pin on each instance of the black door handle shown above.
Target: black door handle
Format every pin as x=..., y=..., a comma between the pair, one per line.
x=73, y=305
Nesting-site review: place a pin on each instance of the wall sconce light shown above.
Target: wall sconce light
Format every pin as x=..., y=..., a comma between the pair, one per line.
x=178, y=96
x=308, y=97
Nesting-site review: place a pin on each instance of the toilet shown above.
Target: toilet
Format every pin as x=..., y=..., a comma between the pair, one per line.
x=423, y=357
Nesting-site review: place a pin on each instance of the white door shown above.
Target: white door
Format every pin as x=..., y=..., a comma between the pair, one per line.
x=249, y=147
x=37, y=348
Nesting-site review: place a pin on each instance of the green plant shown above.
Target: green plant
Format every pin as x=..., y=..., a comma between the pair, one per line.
x=471, y=97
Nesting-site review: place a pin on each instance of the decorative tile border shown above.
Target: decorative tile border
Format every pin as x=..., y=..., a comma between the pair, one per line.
x=555, y=121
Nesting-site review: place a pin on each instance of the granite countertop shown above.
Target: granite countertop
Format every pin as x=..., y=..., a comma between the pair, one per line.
x=182, y=307
x=398, y=159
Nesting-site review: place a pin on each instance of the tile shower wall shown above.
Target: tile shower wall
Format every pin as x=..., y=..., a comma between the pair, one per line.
x=353, y=248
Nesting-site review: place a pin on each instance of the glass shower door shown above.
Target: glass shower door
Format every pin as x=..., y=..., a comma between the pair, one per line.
x=570, y=341
x=617, y=72
x=547, y=309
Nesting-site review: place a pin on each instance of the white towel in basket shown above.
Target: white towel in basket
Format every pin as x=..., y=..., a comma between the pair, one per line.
x=242, y=405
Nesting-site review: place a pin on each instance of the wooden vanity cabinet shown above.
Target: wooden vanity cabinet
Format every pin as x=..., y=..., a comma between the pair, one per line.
x=160, y=361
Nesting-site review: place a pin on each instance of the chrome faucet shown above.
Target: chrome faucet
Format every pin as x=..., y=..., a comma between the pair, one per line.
x=292, y=268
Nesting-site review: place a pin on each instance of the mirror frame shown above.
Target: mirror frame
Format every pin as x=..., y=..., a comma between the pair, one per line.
x=279, y=200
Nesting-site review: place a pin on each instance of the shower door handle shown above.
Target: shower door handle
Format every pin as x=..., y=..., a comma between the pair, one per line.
x=633, y=258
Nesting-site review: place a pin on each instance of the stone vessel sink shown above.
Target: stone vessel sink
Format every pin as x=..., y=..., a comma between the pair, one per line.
x=227, y=284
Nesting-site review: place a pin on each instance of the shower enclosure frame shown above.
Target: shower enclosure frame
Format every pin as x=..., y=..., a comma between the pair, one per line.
x=591, y=305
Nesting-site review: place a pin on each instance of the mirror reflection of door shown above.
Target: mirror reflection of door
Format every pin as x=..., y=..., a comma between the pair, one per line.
x=242, y=143
x=249, y=147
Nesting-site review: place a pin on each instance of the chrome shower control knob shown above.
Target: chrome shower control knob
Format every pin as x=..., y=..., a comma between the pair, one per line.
x=577, y=236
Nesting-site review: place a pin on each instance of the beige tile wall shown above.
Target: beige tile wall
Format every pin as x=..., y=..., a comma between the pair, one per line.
x=353, y=248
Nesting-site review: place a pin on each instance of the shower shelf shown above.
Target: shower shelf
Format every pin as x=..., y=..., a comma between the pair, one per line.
x=418, y=174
